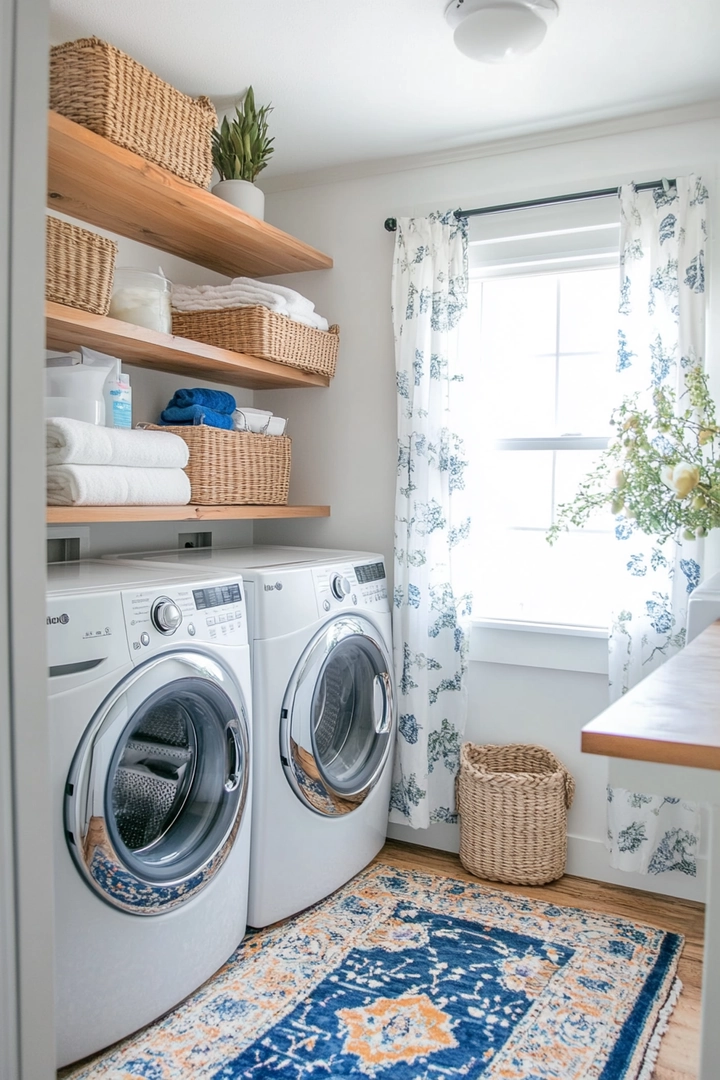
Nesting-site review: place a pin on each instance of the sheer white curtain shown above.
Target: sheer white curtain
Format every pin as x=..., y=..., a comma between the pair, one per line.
x=661, y=335
x=432, y=522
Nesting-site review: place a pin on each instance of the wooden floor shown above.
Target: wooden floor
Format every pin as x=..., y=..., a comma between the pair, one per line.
x=679, y=1052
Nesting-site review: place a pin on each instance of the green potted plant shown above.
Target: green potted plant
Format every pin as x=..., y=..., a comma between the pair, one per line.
x=241, y=150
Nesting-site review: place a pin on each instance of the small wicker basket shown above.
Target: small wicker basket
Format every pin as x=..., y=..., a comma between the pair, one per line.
x=80, y=266
x=261, y=332
x=513, y=803
x=235, y=468
x=104, y=89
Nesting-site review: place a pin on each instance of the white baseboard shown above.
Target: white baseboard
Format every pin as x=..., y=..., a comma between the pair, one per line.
x=589, y=859
x=441, y=837
x=586, y=858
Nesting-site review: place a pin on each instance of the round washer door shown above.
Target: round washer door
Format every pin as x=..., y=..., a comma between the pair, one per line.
x=338, y=717
x=157, y=788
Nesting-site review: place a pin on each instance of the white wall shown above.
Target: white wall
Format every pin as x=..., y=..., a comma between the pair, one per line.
x=344, y=448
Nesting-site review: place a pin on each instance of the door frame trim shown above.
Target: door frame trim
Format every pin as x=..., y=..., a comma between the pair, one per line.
x=27, y=1037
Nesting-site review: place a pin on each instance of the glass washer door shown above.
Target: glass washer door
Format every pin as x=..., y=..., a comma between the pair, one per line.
x=157, y=788
x=337, y=718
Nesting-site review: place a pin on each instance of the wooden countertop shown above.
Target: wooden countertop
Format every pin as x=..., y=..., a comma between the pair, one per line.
x=672, y=716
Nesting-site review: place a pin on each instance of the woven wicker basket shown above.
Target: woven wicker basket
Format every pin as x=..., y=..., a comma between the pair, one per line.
x=261, y=332
x=235, y=468
x=80, y=266
x=513, y=803
x=104, y=89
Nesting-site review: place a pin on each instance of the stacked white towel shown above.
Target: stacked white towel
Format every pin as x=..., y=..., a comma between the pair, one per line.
x=89, y=465
x=246, y=292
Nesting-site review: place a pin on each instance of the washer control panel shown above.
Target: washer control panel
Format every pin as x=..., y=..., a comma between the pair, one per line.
x=184, y=613
x=347, y=586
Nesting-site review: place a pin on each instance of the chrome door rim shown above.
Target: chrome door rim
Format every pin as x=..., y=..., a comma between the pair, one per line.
x=161, y=897
x=336, y=803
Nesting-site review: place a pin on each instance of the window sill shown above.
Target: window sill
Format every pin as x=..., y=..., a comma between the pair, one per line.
x=540, y=645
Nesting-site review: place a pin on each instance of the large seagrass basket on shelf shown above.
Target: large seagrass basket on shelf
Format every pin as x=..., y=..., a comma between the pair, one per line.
x=513, y=802
x=105, y=90
x=235, y=468
x=258, y=331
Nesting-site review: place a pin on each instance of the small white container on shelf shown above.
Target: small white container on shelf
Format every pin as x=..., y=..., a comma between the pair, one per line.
x=142, y=298
x=75, y=390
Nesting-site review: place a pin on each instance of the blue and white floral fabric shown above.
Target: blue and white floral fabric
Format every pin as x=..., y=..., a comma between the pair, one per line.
x=661, y=335
x=652, y=834
x=432, y=524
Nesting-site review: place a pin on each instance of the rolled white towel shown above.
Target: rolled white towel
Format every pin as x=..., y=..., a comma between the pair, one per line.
x=218, y=297
x=113, y=485
x=244, y=292
x=78, y=443
x=316, y=321
x=294, y=301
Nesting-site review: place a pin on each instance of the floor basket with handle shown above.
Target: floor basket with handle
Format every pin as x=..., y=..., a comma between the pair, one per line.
x=513, y=802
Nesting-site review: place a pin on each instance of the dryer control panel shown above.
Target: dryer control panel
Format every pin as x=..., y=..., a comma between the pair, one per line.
x=349, y=585
x=182, y=614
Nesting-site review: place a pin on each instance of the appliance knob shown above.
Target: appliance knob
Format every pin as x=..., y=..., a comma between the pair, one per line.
x=340, y=587
x=166, y=615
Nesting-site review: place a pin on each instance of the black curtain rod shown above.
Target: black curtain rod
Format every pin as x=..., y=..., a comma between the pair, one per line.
x=579, y=196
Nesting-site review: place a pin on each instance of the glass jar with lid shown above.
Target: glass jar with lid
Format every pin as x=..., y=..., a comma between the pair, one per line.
x=141, y=297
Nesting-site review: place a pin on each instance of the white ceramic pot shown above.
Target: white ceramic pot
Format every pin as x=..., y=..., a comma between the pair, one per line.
x=244, y=195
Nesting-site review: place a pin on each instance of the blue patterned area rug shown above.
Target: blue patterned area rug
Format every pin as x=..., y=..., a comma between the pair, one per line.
x=404, y=975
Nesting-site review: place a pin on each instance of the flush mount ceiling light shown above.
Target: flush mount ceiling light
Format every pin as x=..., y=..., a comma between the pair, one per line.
x=498, y=30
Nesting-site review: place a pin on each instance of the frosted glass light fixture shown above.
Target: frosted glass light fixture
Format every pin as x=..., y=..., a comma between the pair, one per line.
x=494, y=31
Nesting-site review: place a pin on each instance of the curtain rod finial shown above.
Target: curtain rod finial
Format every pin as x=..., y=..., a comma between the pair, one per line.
x=391, y=224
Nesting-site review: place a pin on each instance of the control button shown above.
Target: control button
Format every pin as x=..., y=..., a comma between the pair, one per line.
x=145, y=638
x=326, y=605
x=238, y=615
x=166, y=615
x=339, y=586
x=210, y=621
x=191, y=629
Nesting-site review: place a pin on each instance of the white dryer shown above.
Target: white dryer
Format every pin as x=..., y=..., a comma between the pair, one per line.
x=149, y=703
x=324, y=716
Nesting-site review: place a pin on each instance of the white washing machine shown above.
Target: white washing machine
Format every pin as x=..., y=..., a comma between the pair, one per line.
x=324, y=716
x=149, y=706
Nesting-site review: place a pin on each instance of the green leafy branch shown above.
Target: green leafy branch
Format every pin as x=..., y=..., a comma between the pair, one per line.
x=661, y=470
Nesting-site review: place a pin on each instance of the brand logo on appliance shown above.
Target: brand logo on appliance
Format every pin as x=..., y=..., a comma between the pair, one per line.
x=272, y=588
x=53, y=620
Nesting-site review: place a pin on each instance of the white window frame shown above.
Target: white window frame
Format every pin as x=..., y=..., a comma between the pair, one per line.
x=548, y=231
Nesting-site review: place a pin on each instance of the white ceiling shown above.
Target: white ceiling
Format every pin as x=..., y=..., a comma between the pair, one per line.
x=355, y=80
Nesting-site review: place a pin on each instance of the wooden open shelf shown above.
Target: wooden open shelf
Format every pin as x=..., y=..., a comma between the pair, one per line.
x=77, y=515
x=69, y=328
x=92, y=179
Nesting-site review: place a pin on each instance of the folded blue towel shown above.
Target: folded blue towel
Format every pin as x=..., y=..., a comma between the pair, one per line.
x=217, y=400
x=195, y=414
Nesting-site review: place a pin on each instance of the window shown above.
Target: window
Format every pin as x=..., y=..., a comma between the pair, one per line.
x=543, y=300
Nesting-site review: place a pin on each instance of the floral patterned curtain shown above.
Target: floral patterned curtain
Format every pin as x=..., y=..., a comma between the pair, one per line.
x=432, y=525
x=661, y=336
